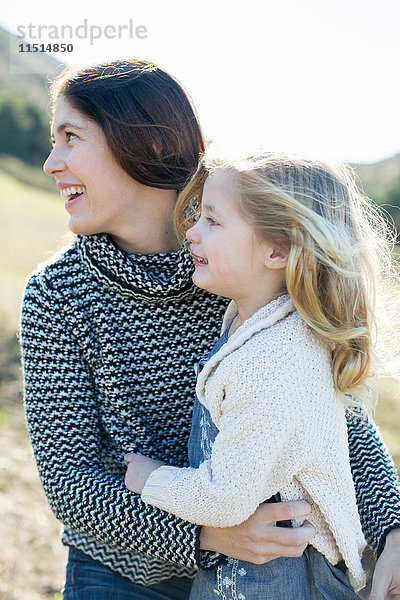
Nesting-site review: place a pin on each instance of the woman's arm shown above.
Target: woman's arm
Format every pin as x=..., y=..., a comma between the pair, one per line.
x=386, y=579
x=64, y=423
x=375, y=480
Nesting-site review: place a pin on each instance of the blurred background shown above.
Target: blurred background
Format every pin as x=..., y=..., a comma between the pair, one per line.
x=317, y=76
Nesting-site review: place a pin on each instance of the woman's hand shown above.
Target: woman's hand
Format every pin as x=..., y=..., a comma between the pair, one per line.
x=259, y=540
x=386, y=578
x=138, y=471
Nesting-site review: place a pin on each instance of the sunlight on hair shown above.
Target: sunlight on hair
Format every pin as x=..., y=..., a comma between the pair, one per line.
x=341, y=273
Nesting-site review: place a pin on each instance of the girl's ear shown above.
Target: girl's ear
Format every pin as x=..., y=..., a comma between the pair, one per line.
x=275, y=258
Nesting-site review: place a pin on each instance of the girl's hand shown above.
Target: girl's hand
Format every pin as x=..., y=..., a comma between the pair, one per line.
x=259, y=540
x=386, y=578
x=138, y=471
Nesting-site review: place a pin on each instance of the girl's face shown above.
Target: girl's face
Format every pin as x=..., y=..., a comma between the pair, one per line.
x=99, y=195
x=229, y=258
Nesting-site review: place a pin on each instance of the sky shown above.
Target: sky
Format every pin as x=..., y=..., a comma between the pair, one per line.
x=319, y=77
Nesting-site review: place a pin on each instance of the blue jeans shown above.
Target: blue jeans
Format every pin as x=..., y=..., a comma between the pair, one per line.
x=309, y=577
x=88, y=579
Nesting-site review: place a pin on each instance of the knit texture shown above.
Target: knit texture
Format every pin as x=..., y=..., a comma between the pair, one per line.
x=109, y=342
x=281, y=428
x=107, y=371
x=377, y=484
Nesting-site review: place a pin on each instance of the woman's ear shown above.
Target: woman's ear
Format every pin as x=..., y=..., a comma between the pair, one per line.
x=275, y=258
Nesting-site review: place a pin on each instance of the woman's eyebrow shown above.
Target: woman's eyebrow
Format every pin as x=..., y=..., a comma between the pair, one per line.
x=65, y=125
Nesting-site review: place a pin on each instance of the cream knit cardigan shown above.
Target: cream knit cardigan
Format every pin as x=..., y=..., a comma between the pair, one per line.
x=282, y=428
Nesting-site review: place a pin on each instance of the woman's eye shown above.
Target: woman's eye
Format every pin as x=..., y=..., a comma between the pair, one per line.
x=69, y=134
x=211, y=221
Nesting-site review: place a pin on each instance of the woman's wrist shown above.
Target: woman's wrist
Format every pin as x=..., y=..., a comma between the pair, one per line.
x=393, y=537
x=389, y=538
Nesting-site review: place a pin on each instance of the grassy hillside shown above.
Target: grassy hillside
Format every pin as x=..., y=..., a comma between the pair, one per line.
x=33, y=83
x=24, y=111
x=32, y=559
x=378, y=177
x=28, y=174
x=32, y=226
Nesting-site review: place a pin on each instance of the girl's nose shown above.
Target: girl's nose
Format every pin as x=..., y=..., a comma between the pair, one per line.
x=53, y=164
x=192, y=234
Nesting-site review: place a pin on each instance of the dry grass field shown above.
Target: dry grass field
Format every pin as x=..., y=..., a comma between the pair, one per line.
x=32, y=226
x=31, y=556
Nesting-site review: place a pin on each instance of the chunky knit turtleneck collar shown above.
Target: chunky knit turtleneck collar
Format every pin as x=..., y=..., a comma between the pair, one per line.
x=151, y=276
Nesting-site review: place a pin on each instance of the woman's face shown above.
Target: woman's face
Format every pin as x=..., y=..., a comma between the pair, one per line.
x=99, y=195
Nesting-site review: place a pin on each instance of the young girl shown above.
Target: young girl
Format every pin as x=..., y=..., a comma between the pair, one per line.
x=288, y=241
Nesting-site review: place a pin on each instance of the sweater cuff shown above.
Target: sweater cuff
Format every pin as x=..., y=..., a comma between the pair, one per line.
x=155, y=491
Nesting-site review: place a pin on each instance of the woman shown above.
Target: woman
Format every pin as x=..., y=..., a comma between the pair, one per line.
x=111, y=328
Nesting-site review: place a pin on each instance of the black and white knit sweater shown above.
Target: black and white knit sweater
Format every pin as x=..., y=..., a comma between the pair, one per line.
x=109, y=342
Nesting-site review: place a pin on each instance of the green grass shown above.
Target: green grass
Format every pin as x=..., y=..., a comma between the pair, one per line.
x=378, y=177
x=31, y=175
x=32, y=226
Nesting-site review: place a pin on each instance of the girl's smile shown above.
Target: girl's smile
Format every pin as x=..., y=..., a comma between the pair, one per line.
x=199, y=261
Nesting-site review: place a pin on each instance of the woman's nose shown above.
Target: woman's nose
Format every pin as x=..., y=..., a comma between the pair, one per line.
x=53, y=164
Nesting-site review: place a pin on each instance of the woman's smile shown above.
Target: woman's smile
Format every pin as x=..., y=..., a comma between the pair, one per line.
x=67, y=192
x=71, y=193
x=73, y=201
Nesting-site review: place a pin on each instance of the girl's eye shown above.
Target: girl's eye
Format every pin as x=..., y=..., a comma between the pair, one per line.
x=211, y=221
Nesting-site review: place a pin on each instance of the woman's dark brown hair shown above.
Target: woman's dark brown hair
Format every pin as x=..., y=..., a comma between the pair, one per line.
x=147, y=118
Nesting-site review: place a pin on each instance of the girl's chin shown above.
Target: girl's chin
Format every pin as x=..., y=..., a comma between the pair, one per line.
x=201, y=282
x=197, y=280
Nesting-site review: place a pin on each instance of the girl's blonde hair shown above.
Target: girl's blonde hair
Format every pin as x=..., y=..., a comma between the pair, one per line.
x=338, y=250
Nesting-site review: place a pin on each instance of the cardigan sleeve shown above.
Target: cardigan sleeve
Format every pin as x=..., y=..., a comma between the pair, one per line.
x=375, y=480
x=254, y=454
x=232, y=477
x=64, y=425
